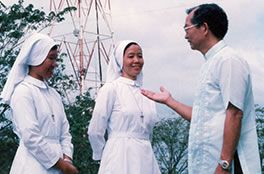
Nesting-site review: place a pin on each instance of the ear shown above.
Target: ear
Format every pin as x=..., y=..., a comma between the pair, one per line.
x=205, y=28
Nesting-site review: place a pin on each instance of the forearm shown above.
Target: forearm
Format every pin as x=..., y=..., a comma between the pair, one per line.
x=232, y=129
x=184, y=110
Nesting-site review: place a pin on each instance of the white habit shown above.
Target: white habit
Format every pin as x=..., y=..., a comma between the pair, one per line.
x=118, y=111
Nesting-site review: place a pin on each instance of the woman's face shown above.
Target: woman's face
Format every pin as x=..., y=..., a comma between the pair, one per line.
x=45, y=69
x=132, y=62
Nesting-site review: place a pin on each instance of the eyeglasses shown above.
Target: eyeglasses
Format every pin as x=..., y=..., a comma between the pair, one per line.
x=189, y=27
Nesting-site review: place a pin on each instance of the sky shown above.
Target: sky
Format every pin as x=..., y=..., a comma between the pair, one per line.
x=169, y=61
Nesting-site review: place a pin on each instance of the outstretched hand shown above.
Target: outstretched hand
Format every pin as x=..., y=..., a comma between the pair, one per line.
x=161, y=97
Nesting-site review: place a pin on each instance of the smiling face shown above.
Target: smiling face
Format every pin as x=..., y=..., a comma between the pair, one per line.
x=132, y=61
x=45, y=69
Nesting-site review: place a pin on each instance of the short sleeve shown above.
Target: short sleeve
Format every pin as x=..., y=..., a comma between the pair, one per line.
x=233, y=81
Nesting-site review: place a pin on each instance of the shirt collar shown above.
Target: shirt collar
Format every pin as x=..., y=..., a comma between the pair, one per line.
x=128, y=81
x=35, y=82
x=215, y=49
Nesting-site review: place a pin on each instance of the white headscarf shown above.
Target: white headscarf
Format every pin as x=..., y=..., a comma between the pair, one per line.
x=33, y=52
x=115, y=65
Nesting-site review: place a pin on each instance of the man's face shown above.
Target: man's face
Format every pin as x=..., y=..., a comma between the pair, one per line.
x=193, y=33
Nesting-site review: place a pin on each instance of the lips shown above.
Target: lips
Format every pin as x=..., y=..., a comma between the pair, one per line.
x=136, y=65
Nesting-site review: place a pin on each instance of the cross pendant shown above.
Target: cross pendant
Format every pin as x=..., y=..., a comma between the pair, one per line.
x=142, y=117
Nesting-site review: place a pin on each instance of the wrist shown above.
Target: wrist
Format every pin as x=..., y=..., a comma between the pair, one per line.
x=169, y=101
x=225, y=164
x=67, y=160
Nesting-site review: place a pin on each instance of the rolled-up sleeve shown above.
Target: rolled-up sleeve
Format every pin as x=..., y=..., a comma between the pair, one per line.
x=98, y=124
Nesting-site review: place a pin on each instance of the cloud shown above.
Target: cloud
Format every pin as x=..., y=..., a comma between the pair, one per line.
x=169, y=61
x=158, y=25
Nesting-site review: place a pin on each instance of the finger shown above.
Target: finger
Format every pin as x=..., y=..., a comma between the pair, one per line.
x=162, y=89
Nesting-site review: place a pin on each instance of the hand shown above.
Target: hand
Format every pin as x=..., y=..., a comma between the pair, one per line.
x=219, y=170
x=69, y=169
x=161, y=97
x=66, y=167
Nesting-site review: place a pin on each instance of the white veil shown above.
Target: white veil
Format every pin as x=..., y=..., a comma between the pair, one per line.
x=116, y=62
x=33, y=52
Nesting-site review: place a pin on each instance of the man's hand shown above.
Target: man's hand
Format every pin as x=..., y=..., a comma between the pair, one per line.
x=161, y=97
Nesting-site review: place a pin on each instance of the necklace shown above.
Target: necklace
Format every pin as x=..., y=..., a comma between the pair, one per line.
x=137, y=103
x=50, y=106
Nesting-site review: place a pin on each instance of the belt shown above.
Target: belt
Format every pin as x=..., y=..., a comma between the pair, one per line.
x=129, y=135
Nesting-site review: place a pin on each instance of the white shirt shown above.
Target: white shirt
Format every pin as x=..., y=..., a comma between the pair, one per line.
x=119, y=109
x=43, y=138
x=224, y=78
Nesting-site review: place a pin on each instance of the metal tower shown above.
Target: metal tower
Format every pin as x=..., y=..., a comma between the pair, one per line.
x=86, y=36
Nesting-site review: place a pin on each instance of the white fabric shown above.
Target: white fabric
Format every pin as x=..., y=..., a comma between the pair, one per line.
x=33, y=52
x=42, y=140
x=128, y=149
x=115, y=65
x=224, y=78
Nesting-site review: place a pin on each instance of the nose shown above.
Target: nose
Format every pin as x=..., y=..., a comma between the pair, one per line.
x=186, y=35
x=136, y=58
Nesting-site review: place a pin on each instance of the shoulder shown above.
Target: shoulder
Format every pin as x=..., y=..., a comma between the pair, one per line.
x=108, y=87
x=23, y=88
x=232, y=58
x=23, y=91
x=231, y=55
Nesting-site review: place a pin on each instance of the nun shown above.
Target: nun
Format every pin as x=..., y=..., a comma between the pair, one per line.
x=37, y=111
x=125, y=115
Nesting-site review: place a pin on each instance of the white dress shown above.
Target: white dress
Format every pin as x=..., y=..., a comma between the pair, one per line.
x=119, y=109
x=43, y=138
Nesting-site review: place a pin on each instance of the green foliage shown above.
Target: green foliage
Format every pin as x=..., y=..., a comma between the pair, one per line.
x=170, y=141
x=79, y=115
x=260, y=131
x=8, y=141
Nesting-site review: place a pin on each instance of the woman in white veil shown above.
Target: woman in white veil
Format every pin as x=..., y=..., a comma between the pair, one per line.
x=125, y=115
x=38, y=114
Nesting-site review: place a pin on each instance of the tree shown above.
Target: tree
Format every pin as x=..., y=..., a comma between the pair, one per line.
x=170, y=141
x=79, y=116
x=260, y=131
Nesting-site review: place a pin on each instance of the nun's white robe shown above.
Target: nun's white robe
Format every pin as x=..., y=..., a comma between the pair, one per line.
x=118, y=110
x=43, y=139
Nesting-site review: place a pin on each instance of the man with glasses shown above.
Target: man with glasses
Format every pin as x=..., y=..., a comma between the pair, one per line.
x=222, y=137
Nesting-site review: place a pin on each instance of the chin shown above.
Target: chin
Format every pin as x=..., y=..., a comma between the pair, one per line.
x=48, y=76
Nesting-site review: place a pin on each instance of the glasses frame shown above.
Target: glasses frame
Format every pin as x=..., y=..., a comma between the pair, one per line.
x=189, y=27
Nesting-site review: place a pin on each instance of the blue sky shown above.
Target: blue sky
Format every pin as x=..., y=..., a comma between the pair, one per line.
x=169, y=61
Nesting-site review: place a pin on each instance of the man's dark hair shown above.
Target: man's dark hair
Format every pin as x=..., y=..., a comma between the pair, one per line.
x=213, y=15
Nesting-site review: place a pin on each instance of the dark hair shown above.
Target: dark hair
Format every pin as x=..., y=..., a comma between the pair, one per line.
x=128, y=45
x=55, y=47
x=213, y=15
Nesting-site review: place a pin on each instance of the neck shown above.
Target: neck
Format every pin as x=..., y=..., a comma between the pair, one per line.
x=128, y=77
x=209, y=46
x=36, y=76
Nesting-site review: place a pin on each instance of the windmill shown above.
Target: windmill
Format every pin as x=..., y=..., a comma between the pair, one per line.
x=87, y=38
